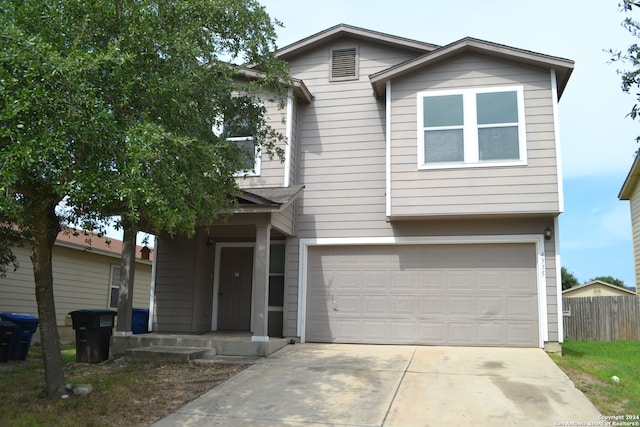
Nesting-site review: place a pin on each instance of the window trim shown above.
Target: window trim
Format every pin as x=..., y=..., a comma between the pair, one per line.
x=257, y=158
x=218, y=127
x=278, y=308
x=470, y=128
x=112, y=276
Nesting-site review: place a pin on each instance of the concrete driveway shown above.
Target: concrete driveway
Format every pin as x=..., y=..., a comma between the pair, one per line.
x=399, y=386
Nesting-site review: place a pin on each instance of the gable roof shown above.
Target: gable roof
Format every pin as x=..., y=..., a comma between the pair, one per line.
x=562, y=66
x=344, y=30
x=597, y=283
x=631, y=181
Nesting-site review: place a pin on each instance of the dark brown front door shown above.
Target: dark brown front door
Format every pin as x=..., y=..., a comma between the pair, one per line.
x=234, y=294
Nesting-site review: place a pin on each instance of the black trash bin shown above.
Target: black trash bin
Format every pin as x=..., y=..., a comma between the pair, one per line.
x=140, y=320
x=93, y=334
x=27, y=325
x=7, y=333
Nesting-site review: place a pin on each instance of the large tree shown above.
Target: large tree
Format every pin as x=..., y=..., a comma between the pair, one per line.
x=107, y=107
x=568, y=279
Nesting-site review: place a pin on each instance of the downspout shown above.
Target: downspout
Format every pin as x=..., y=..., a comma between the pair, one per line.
x=288, y=139
x=556, y=222
x=388, y=149
x=556, y=133
x=152, y=293
x=556, y=241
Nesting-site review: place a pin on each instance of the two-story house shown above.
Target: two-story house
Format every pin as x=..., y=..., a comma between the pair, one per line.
x=417, y=203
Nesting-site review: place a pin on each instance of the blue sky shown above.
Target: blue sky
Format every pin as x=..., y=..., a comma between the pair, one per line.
x=597, y=139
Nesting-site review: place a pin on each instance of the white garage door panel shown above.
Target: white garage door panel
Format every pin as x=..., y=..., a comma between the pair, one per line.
x=426, y=294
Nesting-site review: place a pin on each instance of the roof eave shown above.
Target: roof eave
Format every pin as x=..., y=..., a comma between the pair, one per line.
x=563, y=67
x=342, y=30
x=631, y=181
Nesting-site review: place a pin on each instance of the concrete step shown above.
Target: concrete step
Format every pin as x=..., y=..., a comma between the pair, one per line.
x=168, y=354
x=218, y=345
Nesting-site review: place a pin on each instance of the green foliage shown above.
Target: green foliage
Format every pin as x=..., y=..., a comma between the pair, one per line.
x=107, y=107
x=630, y=78
x=610, y=280
x=568, y=279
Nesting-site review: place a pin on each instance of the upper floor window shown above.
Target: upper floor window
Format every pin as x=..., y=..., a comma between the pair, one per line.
x=242, y=134
x=344, y=64
x=471, y=127
x=114, y=286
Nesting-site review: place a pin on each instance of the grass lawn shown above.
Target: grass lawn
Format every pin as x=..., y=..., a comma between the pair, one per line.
x=124, y=394
x=590, y=365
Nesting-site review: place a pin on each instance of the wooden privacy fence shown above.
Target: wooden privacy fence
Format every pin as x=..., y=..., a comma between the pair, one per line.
x=601, y=318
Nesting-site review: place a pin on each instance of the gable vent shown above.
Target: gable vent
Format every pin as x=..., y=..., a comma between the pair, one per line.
x=343, y=64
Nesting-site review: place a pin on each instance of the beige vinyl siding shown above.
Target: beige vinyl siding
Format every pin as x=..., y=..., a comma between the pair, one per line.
x=283, y=221
x=340, y=156
x=175, y=283
x=290, y=308
x=272, y=167
x=81, y=280
x=634, y=203
x=474, y=190
x=342, y=163
x=342, y=146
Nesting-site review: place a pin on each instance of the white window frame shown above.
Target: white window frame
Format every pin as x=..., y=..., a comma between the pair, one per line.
x=218, y=128
x=470, y=128
x=257, y=159
x=113, y=276
x=279, y=307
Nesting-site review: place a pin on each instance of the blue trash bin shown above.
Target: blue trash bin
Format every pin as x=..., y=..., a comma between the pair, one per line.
x=27, y=325
x=140, y=320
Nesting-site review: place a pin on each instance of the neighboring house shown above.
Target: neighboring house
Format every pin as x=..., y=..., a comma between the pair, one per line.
x=631, y=192
x=86, y=271
x=417, y=203
x=597, y=288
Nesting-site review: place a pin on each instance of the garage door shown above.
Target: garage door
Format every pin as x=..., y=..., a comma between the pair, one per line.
x=480, y=294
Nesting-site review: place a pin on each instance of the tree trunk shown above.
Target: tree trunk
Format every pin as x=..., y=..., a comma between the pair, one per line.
x=127, y=271
x=46, y=227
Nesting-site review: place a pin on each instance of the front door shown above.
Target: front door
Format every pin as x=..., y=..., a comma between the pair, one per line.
x=234, y=292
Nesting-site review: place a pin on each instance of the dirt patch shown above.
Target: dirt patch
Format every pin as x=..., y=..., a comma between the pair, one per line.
x=124, y=393
x=158, y=390
x=595, y=389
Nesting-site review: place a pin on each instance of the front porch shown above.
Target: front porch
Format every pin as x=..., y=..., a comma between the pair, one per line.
x=185, y=347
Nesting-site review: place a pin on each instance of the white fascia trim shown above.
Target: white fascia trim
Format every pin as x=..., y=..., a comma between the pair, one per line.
x=556, y=133
x=537, y=239
x=152, y=290
x=556, y=240
x=288, y=141
x=216, y=280
x=388, y=150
